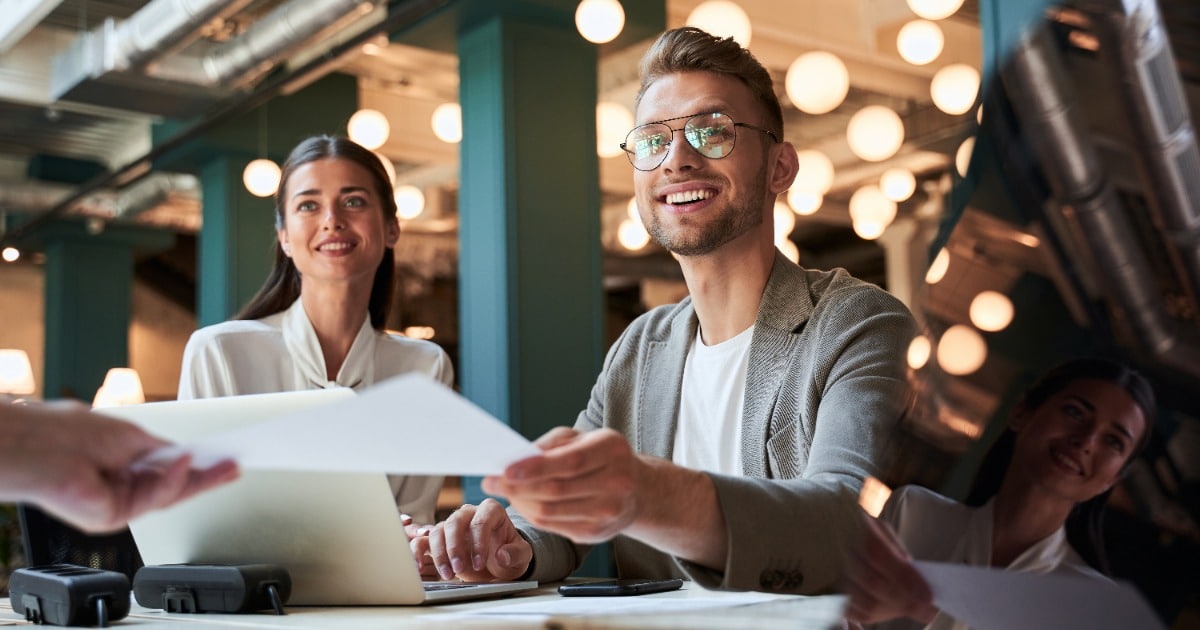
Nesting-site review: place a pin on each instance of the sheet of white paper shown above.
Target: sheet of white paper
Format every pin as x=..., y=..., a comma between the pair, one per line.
x=607, y=606
x=410, y=424
x=987, y=598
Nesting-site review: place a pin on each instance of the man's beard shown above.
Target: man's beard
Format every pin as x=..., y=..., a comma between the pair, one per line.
x=738, y=217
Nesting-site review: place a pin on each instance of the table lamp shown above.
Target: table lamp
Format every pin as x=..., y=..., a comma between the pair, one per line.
x=122, y=386
x=16, y=374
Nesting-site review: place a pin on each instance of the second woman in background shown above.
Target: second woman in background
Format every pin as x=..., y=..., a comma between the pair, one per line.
x=318, y=321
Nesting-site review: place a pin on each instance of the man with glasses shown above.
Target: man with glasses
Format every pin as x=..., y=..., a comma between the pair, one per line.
x=728, y=435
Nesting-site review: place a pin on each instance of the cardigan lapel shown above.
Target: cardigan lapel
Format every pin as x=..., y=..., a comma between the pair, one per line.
x=786, y=305
x=662, y=384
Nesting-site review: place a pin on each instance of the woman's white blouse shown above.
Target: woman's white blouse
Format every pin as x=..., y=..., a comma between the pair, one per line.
x=281, y=353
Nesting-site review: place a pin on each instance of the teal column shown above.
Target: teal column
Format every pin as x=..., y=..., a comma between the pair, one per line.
x=529, y=265
x=88, y=301
x=529, y=262
x=234, y=249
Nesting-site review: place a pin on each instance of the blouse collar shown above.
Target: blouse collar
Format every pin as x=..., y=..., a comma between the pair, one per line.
x=358, y=370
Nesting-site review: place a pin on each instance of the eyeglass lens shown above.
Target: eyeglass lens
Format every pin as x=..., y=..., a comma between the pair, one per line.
x=712, y=135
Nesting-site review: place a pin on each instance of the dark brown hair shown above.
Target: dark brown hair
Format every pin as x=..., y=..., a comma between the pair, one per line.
x=282, y=286
x=1084, y=524
x=689, y=49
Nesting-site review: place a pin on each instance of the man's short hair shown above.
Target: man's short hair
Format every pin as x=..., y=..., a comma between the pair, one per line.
x=689, y=49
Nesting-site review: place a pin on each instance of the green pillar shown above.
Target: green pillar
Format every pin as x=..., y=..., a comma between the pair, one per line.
x=530, y=232
x=234, y=249
x=529, y=262
x=89, y=294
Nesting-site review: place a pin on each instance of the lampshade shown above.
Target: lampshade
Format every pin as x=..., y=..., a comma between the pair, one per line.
x=723, y=19
x=16, y=374
x=875, y=133
x=991, y=311
x=817, y=82
x=10, y=254
x=919, y=350
x=410, y=202
x=962, y=157
x=261, y=177
x=934, y=9
x=632, y=235
x=599, y=21
x=613, y=121
x=369, y=128
x=815, y=172
x=954, y=88
x=939, y=267
x=920, y=42
x=804, y=202
x=122, y=386
x=961, y=350
x=785, y=222
x=447, y=122
x=897, y=184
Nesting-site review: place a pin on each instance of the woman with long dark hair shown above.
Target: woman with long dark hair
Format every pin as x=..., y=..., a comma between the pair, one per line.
x=1036, y=501
x=318, y=321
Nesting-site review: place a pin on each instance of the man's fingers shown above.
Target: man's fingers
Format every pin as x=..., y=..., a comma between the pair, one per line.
x=556, y=437
x=584, y=454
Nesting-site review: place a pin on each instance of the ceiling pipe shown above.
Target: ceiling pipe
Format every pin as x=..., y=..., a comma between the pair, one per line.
x=153, y=190
x=1135, y=44
x=400, y=18
x=161, y=27
x=154, y=30
x=1034, y=80
x=277, y=35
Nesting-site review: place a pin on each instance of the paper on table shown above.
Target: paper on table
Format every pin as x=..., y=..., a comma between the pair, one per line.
x=985, y=598
x=410, y=424
x=607, y=606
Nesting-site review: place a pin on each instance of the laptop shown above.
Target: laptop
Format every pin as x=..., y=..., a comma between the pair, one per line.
x=338, y=534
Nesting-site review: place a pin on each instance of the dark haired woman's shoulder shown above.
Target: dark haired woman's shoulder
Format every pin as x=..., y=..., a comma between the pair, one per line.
x=396, y=354
x=914, y=504
x=233, y=331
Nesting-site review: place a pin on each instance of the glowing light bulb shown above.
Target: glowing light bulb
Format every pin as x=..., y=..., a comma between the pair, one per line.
x=961, y=350
x=723, y=19
x=410, y=202
x=599, y=21
x=920, y=42
x=261, y=177
x=817, y=82
x=369, y=128
x=447, y=122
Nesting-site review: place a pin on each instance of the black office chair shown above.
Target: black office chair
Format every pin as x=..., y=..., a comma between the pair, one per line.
x=48, y=540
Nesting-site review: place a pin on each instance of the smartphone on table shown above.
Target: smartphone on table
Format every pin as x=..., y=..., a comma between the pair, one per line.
x=623, y=586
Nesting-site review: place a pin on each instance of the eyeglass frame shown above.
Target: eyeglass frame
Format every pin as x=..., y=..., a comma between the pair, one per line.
x=630, y=154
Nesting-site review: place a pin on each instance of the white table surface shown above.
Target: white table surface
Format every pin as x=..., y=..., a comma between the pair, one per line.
x=688, y=608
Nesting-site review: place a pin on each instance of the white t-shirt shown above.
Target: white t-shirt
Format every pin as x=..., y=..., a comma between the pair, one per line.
x=281, y=353
x=709, y=434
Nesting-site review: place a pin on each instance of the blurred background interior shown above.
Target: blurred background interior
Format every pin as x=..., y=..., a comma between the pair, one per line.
x=1023, y=174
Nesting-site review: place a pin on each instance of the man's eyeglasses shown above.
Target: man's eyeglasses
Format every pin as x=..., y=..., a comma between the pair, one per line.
x=712, y=135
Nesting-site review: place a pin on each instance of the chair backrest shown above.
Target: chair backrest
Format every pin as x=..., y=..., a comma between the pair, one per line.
x=48, y=540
